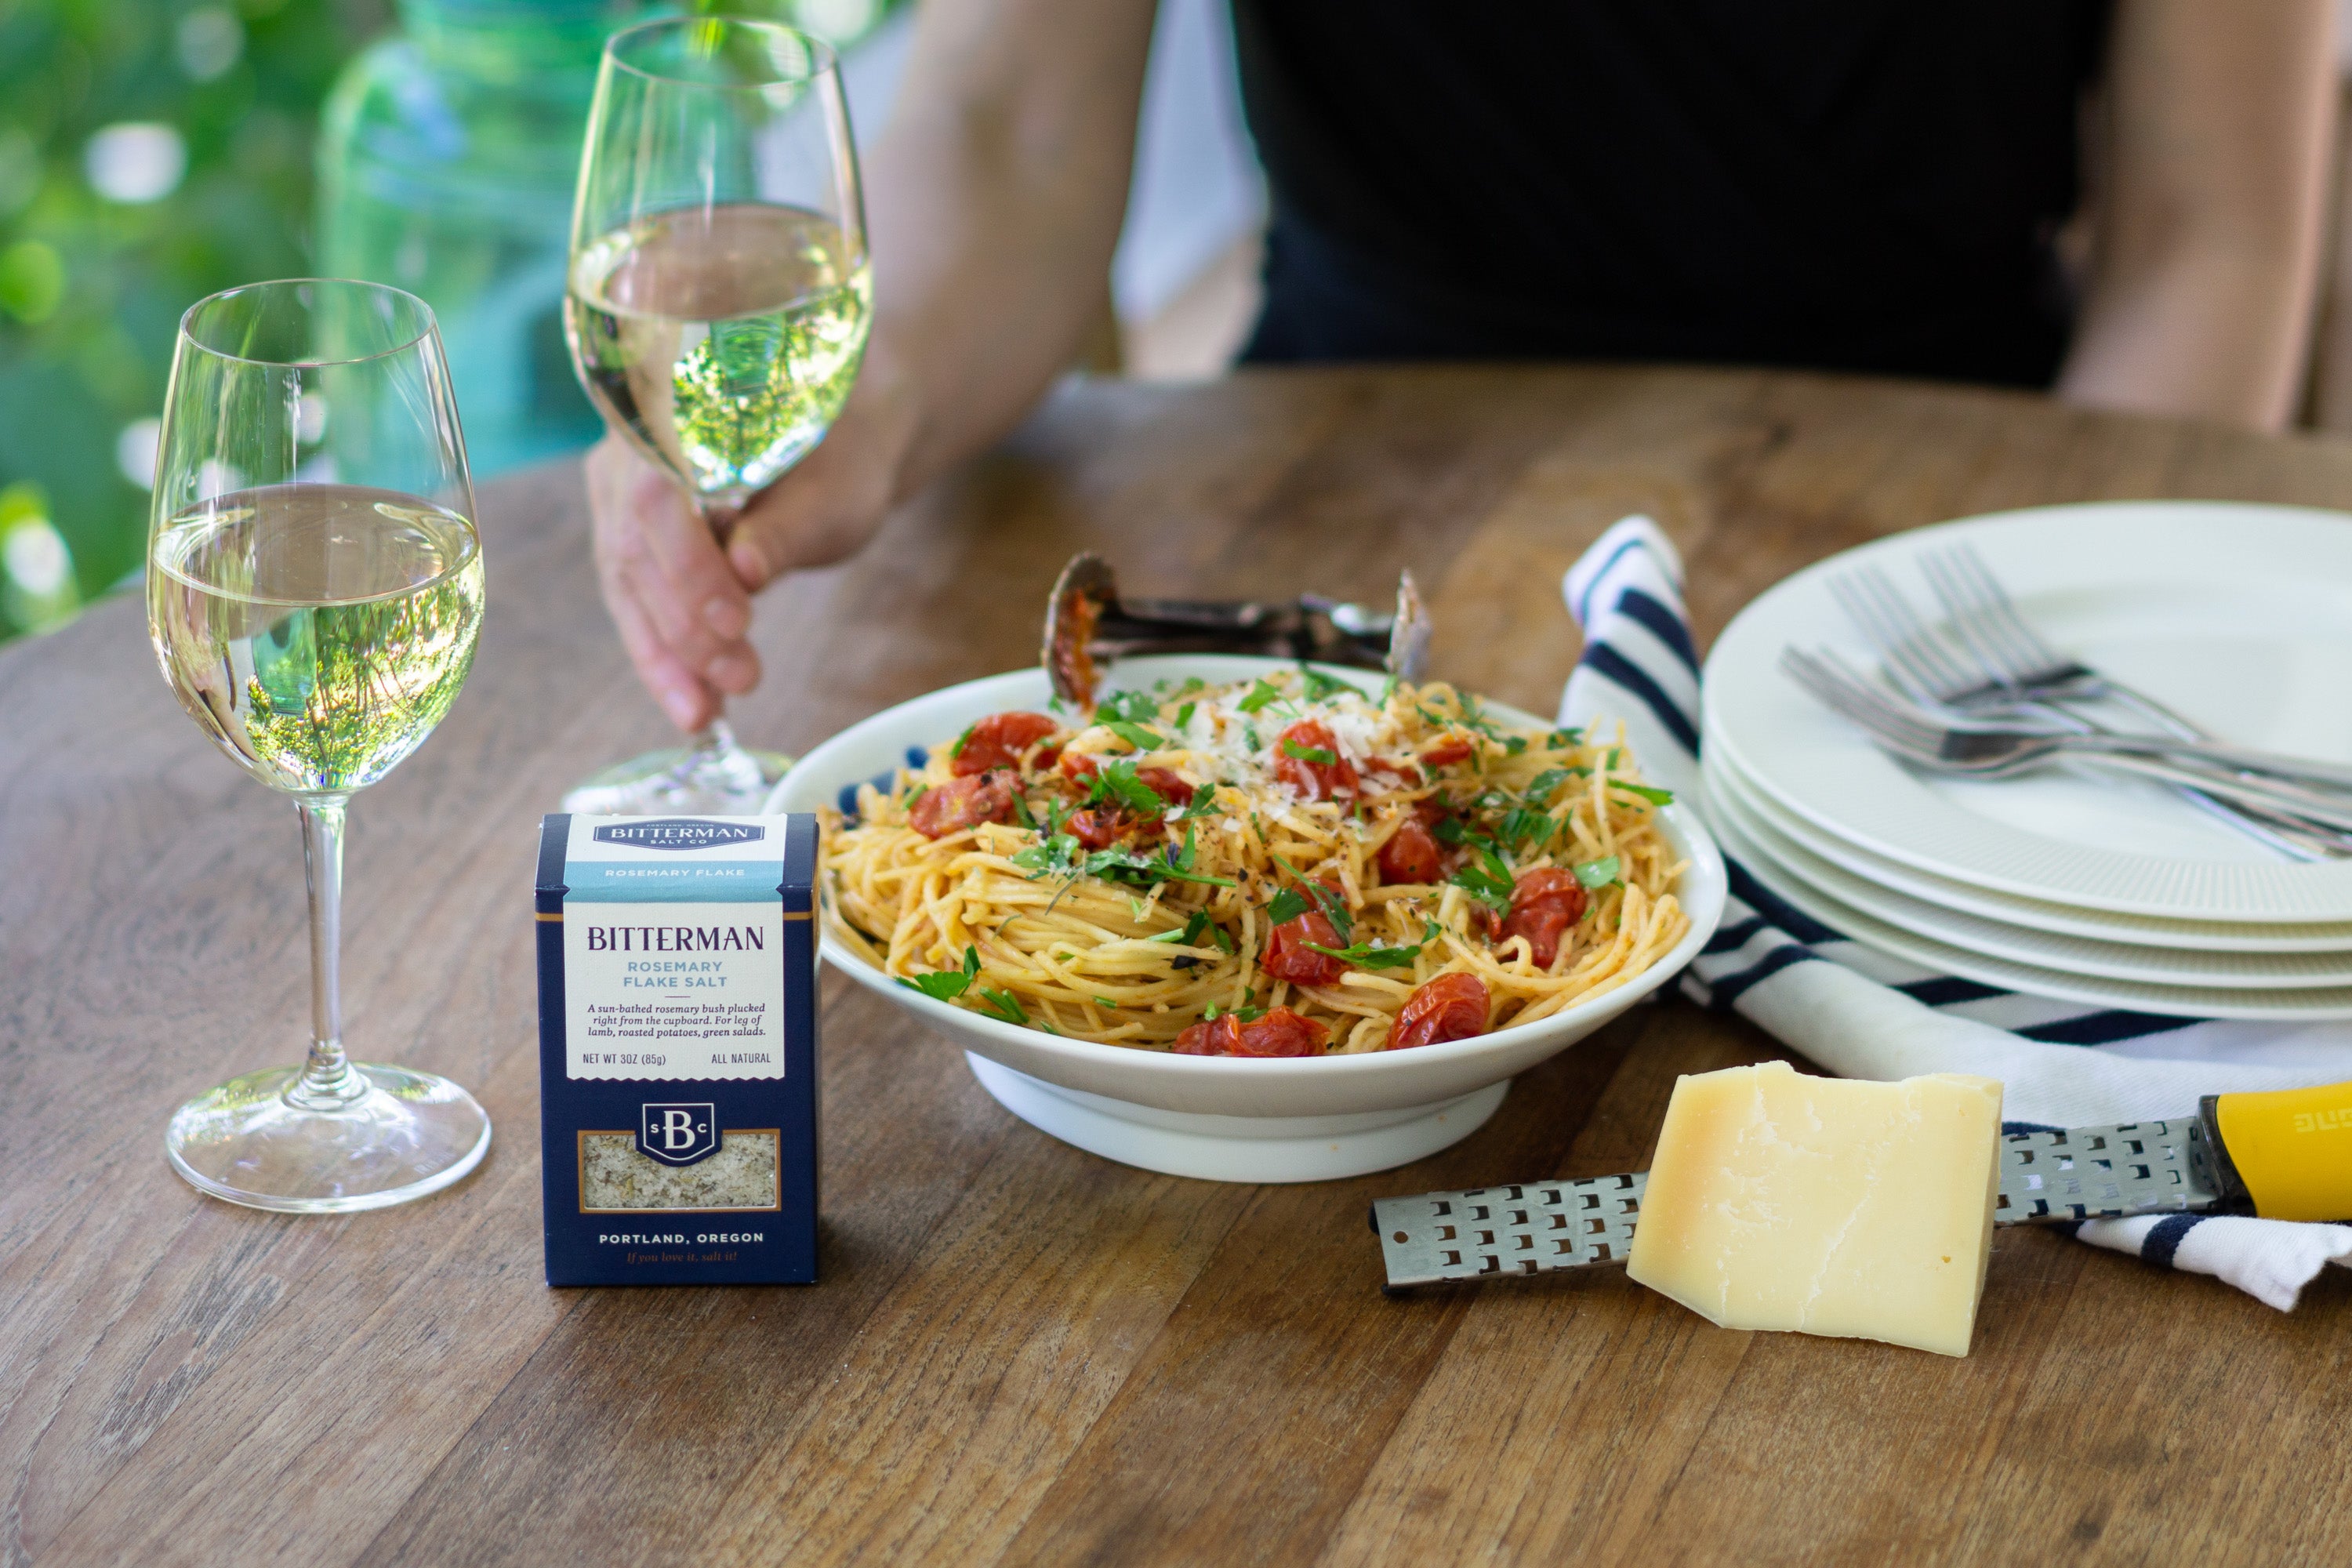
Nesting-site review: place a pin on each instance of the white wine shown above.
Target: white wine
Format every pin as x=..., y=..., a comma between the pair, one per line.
x=316, y=632
x=722, y=341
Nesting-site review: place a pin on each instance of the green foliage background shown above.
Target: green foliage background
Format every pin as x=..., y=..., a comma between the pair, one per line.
x=90, y=290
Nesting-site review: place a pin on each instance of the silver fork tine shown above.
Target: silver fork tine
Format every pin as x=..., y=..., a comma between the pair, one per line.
x=2001, y=609
x=1862, y=609
x=1916, y=659
x=1969, y=621
x=1848, y=695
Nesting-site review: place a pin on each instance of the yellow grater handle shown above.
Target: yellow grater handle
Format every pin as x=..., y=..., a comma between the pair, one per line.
x=2290, y=1148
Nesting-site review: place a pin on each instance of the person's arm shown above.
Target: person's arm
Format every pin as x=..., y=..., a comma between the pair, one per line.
x=2207, y=244
x=993, y=203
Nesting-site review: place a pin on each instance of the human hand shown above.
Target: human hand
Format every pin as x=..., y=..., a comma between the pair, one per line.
x=681, y=603
x=681, y=611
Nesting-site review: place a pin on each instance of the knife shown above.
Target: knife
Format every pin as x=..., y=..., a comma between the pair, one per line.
x=2286, y=1154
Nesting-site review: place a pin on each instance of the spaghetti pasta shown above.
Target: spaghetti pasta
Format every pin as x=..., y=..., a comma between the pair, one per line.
x=1273, y=868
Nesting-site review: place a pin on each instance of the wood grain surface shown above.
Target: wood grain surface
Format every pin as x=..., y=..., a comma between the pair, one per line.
x=1020, y=1352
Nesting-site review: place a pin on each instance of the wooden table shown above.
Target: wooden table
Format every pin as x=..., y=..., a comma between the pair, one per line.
x=1021, y=1352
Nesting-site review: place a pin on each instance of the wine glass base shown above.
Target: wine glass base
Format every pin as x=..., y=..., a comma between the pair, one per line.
x=411, y=1134
x=684, y=779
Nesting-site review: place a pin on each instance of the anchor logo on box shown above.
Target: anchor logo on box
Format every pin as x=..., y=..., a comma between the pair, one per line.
x=677, y=1134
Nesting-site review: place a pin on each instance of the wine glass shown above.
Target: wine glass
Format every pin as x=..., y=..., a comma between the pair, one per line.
x=718, y=302
x=314, y=591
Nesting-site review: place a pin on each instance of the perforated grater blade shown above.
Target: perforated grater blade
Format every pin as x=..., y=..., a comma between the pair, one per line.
x=1526, y=1229
x=2046, y=1178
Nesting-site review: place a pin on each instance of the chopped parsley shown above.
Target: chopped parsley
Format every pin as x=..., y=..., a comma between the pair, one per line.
x=1127, y=707
x=1105, y=1002
x=947, y=984
x=1540, y=787
x=1319, y=685
x=1212, y=1013
x=1116, y=781
x=1184, y=716
x=1260, y=695
x=957, y=750
x=1335, y=908
x=1003, y=1004
x=1320, y=756
x=1522, y=824
x=1599, y=874
x=1654, y=796
x=1135, y=735
x=1559, y=738
x=1364, y=956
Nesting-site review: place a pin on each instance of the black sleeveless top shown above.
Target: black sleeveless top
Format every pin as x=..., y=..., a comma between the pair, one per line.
x=1860, y=184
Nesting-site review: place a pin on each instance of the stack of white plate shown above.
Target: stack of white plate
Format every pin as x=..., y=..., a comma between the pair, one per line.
x=2066, y=884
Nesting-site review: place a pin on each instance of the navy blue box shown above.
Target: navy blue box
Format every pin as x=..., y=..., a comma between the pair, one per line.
x=677, y=1049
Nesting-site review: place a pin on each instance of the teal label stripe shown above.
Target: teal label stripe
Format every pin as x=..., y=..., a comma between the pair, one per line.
x=693, y=883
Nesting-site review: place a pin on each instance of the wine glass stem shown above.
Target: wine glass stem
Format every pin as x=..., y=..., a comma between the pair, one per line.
x=328, y=1082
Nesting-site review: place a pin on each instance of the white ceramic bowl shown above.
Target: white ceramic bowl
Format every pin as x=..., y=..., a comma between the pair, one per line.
x=1223, y=1118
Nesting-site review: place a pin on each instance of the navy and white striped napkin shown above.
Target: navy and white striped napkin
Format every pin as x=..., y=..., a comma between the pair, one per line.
x=1861, y=1014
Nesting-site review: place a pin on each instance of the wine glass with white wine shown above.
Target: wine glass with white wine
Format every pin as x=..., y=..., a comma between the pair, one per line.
x=314, y=592
x=718, y=300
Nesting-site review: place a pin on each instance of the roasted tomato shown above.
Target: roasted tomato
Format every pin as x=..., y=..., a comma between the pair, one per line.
x=998, y=740
x=1450, y=1007
x=1097, y=829
x=1287, y=956
x=964, y=803
x=1079, y=766
x=1281, y=1033
x=1167, y=784
x=1545, y=903
x=1453, y=749
x=1411, y=855
x=1309, y=773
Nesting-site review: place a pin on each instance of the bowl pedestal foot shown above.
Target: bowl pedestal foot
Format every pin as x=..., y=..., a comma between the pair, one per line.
x=1237, y=1148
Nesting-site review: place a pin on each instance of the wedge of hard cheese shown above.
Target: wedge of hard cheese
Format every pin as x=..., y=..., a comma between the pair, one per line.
x=1827, y=1205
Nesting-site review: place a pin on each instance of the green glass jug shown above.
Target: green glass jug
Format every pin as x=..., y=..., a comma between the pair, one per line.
x=447, y=162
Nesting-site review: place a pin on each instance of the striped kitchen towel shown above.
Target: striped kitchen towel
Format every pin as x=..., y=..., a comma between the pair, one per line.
x=1861, y=1014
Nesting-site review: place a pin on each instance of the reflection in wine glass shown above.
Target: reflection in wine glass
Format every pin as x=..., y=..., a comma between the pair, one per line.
x=718, y=300
x=314, y=592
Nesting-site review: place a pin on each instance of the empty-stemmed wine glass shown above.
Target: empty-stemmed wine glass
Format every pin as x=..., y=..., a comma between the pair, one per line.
x=314, y=592
x=718, y=302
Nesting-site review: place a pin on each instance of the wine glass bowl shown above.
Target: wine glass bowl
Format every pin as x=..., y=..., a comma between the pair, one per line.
x=718, y=299
x=315, y=594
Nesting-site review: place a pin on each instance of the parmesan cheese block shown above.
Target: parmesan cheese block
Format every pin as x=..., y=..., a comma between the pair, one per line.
x=1827, y=1205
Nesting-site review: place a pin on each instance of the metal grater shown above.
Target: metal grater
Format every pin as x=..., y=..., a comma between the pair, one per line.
x=2087, y=1173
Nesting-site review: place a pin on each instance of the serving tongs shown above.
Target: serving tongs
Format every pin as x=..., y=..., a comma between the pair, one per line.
x=1088, y=625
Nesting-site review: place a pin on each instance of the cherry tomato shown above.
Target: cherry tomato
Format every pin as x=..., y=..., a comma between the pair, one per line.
x=1453, y=749
x=1281, y=1033
x=964, y=803
x=998, y=740
x=1217, y=1038
x=1289, y=957
x=1411, y=855
x=1080, y=766
x=1167, y=784
x=1450, y=1007
x=1097, y=829
x=1545, y=903
x=1310, y=777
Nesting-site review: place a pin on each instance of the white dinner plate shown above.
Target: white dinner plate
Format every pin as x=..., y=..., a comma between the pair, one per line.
x=2177, y=1001
x=1996, y=939
x=2238, y=616
x=2102, y=925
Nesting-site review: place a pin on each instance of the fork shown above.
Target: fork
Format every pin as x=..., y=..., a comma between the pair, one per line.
x=2014, y=654
x=1942, y=670
x=1987, y=751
